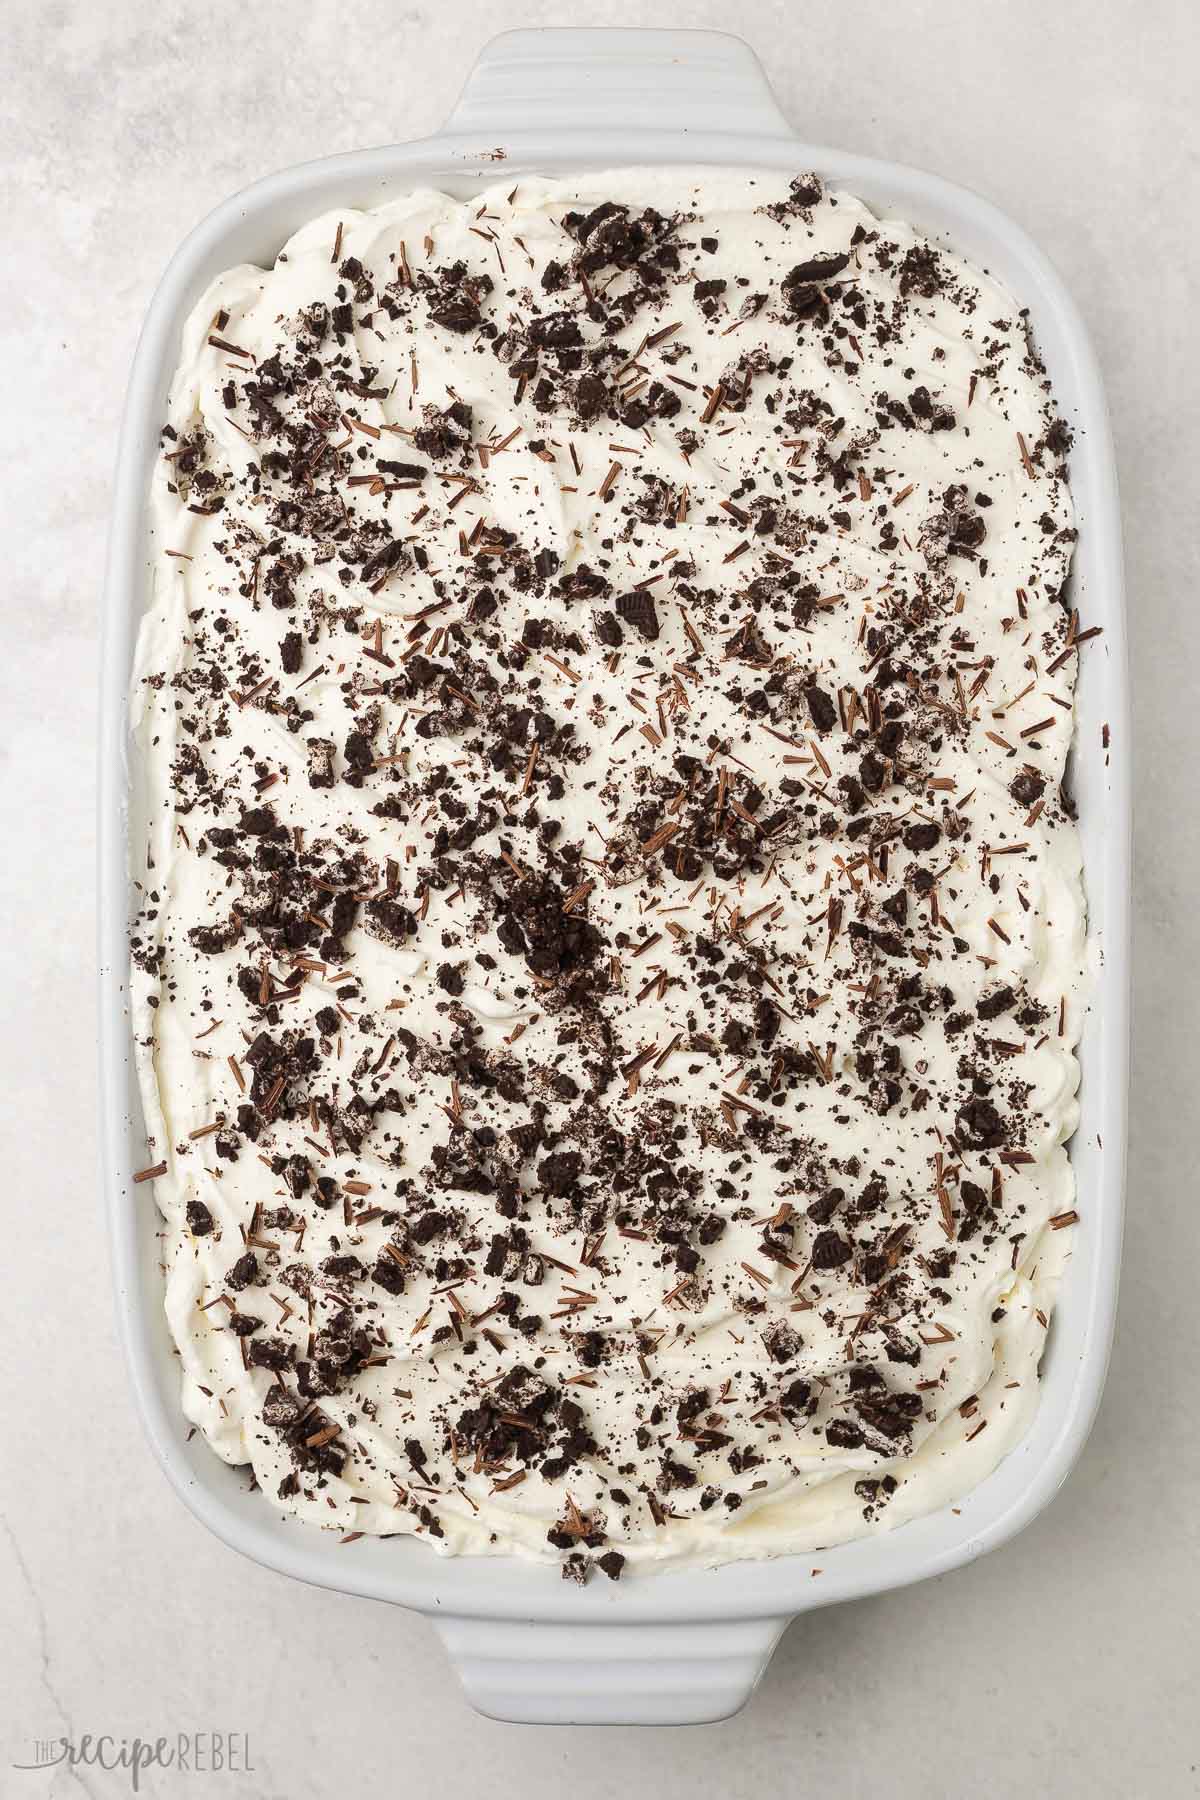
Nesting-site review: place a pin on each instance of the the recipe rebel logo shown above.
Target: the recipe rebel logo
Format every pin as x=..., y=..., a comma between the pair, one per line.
x=186, y=1752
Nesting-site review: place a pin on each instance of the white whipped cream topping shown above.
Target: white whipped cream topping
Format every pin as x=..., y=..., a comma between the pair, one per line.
x=976, y=1330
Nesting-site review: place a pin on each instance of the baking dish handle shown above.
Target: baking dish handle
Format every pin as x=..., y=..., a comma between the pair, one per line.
x=571, y=79
x=531, y=1673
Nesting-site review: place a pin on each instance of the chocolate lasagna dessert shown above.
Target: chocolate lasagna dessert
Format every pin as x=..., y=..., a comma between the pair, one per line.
x=609, y=935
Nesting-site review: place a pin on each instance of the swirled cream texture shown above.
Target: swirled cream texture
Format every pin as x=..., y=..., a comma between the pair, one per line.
x=610, y=937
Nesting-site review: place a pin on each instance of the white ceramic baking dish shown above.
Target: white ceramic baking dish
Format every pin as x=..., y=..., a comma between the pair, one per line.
x=690, y=1646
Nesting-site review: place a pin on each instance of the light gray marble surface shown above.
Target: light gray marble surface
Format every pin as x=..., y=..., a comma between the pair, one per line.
x=1064, y=1665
